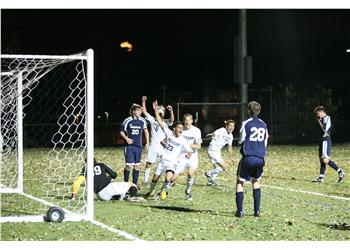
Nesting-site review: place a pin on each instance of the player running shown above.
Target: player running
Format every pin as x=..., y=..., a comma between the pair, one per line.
x=221, y=137
x=253, y=140
x=157, y=135
x=175, y=146
x=194, y=138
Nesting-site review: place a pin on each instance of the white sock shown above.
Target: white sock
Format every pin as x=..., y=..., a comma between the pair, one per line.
x=189, y=184
x=217, y=170
x=146, y=174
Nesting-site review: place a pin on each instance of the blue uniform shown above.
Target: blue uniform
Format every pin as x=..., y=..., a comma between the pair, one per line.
x=253, y=140
x=325, y=145
x=133, y=128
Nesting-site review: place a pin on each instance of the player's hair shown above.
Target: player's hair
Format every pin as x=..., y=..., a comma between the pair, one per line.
x=254, y=108
x=176, y=123
x=133, y=107
x=319, y=108
x=187, y=115
x=229, y=121
x=133, y=191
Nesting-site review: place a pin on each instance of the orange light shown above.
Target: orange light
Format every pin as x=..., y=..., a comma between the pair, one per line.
x=126, y=45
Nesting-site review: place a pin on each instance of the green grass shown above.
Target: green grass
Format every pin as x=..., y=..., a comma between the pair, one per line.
x=285, y=215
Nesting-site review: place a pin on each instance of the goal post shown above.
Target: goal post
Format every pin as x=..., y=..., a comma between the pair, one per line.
x=46, y=135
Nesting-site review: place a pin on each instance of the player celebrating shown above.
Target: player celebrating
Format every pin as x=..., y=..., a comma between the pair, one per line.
x=157, y=135
x=131, y=132
x=175, y=145
x=221, y=137
x=194, y=138
x=325, y=145
x=253, y=140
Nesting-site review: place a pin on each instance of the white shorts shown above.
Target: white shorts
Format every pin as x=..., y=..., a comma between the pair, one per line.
x=154, y=153
x=184, y=162
x=215, y=156
x=164, y=166
x=112, y=189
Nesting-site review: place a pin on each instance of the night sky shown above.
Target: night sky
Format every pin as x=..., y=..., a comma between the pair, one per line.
x=187, y=50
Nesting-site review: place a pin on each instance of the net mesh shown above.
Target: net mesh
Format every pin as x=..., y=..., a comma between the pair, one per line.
x=53, y=97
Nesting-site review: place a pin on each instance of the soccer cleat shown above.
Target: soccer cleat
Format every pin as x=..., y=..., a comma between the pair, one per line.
x=188, y=195
x=239, y=214
x=319, y=179
x=73, y=197
x=341, y=176
x=256, y=213
x=148, y=194
x=163, y=194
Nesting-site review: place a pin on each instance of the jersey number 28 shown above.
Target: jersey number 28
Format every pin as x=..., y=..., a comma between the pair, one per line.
x=258, y=134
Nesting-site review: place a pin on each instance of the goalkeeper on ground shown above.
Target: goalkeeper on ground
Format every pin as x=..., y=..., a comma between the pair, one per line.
x=103, y=186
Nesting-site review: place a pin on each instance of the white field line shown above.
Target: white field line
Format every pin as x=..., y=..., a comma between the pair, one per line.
x=97, y=223
x=307, y=192
x=116, y=231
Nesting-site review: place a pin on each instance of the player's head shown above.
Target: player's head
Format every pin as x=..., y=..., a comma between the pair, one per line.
x=94, y=161
x=161, y=111
x=178, y=128
x=230, y=125
x=187, y=120
x=133, y=191
x=135, y=110
x=320, y=111
x=254, y=108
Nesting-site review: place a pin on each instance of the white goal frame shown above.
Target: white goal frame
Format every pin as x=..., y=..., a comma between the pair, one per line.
x=87, y=56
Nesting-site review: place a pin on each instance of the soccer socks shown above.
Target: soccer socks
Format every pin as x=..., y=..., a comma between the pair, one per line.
x=146, y=175
x=214, y=172
x=322, y=169
x=126, y=175
x=333, y=165
x=189, y=185
x=135, y=176
x=256, y=196
x=239, y=202
x=153, y=186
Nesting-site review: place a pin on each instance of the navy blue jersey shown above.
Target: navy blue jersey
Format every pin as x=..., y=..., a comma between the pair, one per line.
x=326, y=126
x=133, y=128
x=253, y=137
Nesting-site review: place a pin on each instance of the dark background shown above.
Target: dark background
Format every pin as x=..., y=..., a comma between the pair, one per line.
x=299, y=59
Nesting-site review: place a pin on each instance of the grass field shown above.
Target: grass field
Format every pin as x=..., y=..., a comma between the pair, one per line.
x=292, y=207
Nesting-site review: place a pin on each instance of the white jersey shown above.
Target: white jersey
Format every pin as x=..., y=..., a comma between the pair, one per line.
x=175, y=146
x=220, y=139
x=193, y=136
x=157, y=134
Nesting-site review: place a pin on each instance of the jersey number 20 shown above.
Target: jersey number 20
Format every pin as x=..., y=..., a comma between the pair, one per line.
x=258, y=134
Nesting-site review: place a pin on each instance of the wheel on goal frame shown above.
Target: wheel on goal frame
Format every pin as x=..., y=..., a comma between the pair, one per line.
x=55, y=214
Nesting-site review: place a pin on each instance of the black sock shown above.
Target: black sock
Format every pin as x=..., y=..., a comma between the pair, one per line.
x=256, y=196
x=322, y=169
x=126, y=175
x=239, y=201
x=135, y=176
x=333, y=165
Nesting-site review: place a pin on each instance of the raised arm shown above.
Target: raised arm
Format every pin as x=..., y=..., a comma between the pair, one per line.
x=144, y=109
x=158, y=118
x=172, y=116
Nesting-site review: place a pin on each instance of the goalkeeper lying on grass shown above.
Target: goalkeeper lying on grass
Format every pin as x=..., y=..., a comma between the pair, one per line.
x=104, y=187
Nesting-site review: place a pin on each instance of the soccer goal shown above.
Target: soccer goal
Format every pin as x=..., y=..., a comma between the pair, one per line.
x=46, y=125
x=209, y=116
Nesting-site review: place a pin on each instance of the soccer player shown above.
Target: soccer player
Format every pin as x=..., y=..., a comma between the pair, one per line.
x=157, y=135
x=194, y=138
x=131, y=132
x=253, y=140
x=103, y=187
x=175, y=145
x=325, y=145
x=221, y=137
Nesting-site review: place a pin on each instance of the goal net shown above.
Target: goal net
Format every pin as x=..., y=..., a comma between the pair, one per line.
x=209, y=116
x=46, y=111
